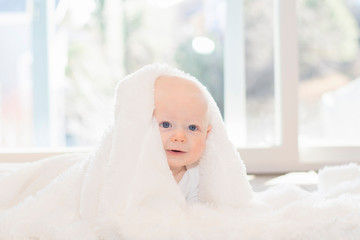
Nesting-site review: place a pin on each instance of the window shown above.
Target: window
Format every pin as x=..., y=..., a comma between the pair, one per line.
x=316, y=54
x=283, y=72
x=329, y=72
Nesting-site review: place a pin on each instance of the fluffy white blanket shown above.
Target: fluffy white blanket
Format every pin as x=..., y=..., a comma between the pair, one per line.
x=125, y=190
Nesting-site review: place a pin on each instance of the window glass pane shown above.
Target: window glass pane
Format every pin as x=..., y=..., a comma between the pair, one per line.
x=12, y=6
x=15, y=77
x=259, y=61
x=329, y=55
x=90, y=46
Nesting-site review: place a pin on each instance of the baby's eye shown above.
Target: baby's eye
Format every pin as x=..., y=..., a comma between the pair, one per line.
x=193, y=128
x=165, y=124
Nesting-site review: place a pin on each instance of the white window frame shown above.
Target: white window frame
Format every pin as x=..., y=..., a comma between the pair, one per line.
x=286, y=155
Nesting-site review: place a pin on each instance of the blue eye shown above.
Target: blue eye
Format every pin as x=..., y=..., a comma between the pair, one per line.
x=193, y=128
x=165, y=124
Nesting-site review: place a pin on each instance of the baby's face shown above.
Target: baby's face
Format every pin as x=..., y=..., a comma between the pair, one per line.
x=182, y=112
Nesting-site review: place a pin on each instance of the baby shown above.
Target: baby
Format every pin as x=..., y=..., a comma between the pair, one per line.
x=164, y=120
x=182, y=112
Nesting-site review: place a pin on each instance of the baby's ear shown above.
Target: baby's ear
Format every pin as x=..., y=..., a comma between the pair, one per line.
x=208, y=130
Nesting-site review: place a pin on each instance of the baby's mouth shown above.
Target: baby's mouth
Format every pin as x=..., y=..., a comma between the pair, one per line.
x=175, y=151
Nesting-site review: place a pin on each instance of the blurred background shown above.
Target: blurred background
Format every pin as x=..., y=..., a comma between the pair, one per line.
x=60, y=61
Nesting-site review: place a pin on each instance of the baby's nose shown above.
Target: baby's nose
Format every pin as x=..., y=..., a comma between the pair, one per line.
x=178, y=137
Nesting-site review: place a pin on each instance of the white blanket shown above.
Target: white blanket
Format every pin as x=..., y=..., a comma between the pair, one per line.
x=125, y=190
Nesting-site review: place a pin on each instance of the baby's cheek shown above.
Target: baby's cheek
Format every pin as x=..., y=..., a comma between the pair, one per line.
x=200, y=147
x=163, y=139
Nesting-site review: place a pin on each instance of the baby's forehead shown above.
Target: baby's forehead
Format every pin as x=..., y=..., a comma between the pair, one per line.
x=172, y=82
x=180, y=96
x=177, y=87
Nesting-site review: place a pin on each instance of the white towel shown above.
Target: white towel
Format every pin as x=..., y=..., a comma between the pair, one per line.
x=125, y=189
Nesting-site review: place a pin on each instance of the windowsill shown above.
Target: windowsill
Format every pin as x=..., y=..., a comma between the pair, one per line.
x=34, y=154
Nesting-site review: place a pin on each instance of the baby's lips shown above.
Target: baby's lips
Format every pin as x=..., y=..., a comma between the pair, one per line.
x=176, y=150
